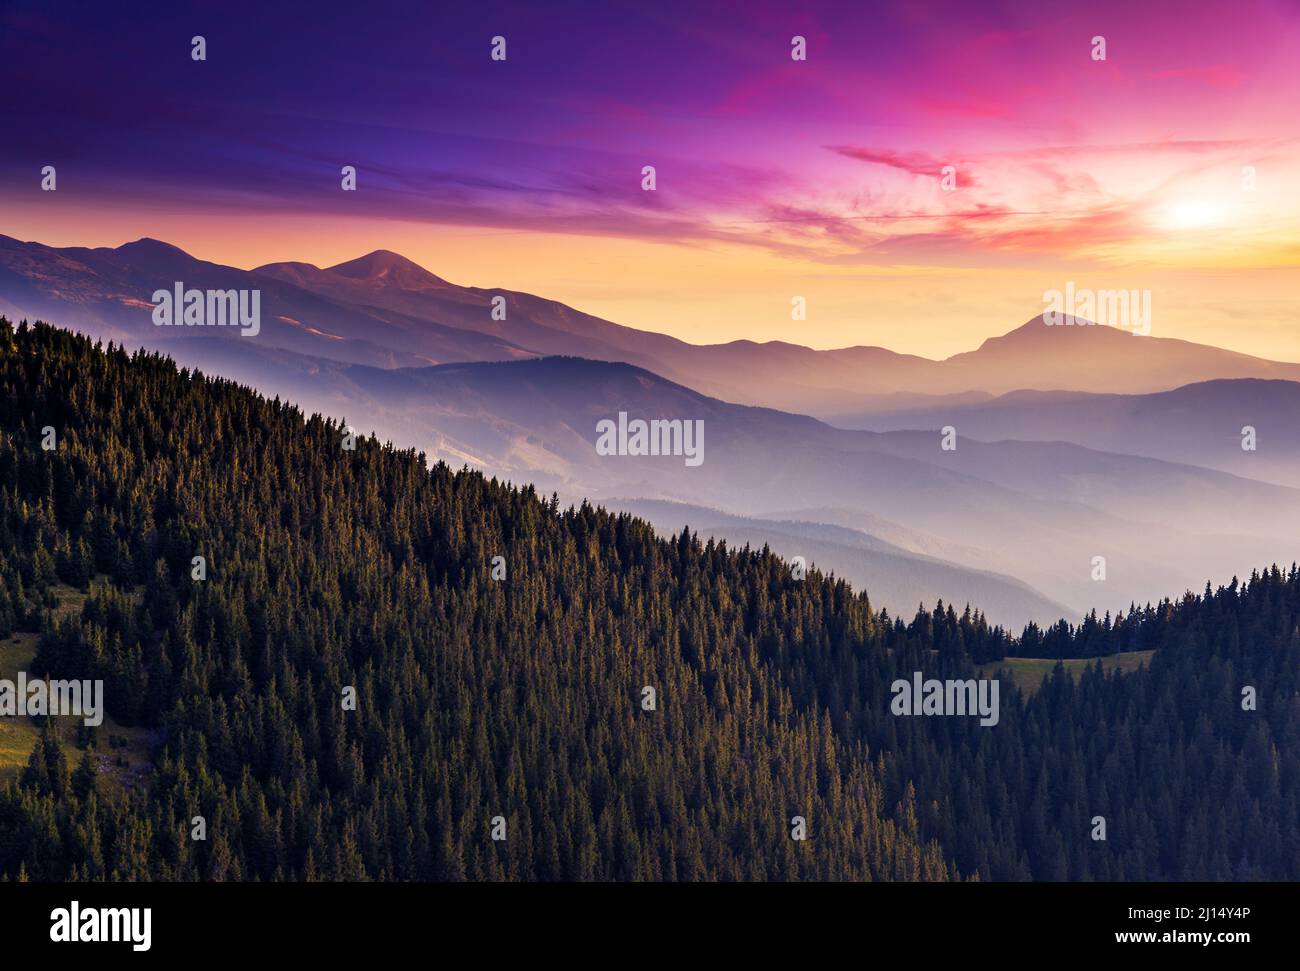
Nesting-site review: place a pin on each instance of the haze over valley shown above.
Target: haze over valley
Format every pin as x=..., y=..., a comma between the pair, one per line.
x=833, y=456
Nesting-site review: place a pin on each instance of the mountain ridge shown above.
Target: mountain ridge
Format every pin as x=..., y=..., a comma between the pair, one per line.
x=1202, y=423
x=385, y=309
x=1033, y=511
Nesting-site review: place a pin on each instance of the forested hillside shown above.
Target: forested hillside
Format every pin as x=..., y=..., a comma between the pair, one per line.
x=522, y=697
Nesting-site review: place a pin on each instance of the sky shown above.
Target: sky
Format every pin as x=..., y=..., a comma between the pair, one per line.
x=1173, y=165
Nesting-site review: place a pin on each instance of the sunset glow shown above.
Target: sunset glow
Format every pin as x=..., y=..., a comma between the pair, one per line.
x=1172, y=165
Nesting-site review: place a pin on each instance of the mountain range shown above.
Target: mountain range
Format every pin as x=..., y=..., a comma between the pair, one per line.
x=383, y=309
x=1037, y=512
x=1143, y=468
x=1198, y=424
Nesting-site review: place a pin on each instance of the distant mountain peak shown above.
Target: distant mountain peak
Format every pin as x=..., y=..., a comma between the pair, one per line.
x=148, y=246
x=386, y=268
x=1037, y=327
x=1036, y=336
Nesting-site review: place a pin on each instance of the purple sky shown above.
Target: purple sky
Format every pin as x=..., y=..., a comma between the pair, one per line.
x=1065, y=164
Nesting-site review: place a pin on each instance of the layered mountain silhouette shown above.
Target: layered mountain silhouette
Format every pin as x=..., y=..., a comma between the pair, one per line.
x=106, y=292
x=1044, y=479
x=385, y=310
x=1199, y=424
x=1034, y=511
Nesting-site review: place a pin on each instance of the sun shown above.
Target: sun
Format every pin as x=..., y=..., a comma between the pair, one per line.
x=1192, y=214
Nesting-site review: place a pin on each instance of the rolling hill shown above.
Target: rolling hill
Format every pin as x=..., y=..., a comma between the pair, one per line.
x=1035, y=511
x=1197, y=424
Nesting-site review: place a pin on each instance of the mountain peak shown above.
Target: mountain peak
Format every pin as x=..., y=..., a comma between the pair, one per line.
x=1037, y=331
x=1037, y=326
x=148, y=246
x=386, y=268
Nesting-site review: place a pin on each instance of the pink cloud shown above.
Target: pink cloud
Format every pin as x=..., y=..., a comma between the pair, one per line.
x=913, y=163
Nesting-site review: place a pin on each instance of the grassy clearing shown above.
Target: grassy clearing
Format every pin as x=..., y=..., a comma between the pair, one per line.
x=17, y=735
x=123, y=753
x=71, y=600
x=1028, y=672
